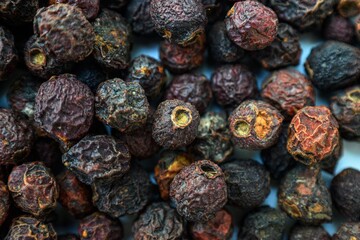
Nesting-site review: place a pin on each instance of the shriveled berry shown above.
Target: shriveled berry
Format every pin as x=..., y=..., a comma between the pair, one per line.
x=33, y=188
x=90, y=8
x=191, y=88
x=348, y=230
x=251, y=25
x=175, y=124
x=4, y=202
x=65, y=32
x=8, y=53
x=138, y=13
x=313, y=135
x=98, y=157
x=18, y=12
x=99, y=226
x=338, y=28
x=348, y=8
x=199, y=191
x=299, y=232
x=159, y=221
x=113, y=40
x=255, y=125
x=121, y=105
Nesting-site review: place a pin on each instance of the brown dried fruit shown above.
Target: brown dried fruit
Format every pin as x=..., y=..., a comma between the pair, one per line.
x=299, y=232
x=8, y=53
x=19, y=11
x=4, y=202
x=90, y=8
x=348, y=8
x=338, y=28
x=348, y=231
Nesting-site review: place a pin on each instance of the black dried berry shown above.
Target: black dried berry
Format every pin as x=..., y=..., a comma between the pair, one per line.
x=138, y=13
x=299, y=232
x=8, y=53
x=90, y=8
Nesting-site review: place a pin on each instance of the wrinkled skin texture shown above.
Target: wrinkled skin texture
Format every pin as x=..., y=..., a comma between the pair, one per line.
x=255, y=125
x=313, y=135
x=138, y=13
x=64, y=108
x=346, y=109
x=349, y=230
x=121, y=105
x=99, y=226
x=348, y=8
x=222, y=49
x=168, y=166
x=98, y=157
x=199, y=191
x=8, y=53
x=304, y=196
x=16, y=138
x=289, y=91
x=178, y=21
x=218, y=228
x=308, y=233
x=74, y=196
x=248, y=183
x=159, y=222
x=213, y=140
x=30, y=228
x=18, y=11
x=123, y=196
x=191, y=88
x=251, y=25
x=265, y=223
x=345, y=192
x=149, y=73
x=113, y=40
x=284, y=51
x=90, y=8
x=167, y=131
x=303, y=14
x=4, y=202
x=338, y=28
x=33, y=188
x=232, y=84
x=333, y=65
x=65, y=31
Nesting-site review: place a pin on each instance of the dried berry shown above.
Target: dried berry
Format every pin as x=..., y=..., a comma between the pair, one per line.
x=199, y=191
x=90, y=8
x=4, y=202
x=120, y=196
x=33, y=188
x=74, y=196
x=113, y=40
x=304, y=196
x=333, y=65
x=26, y=227
x=348, y=8
x=16, y=138
x=338, y=28
x=345, y=192
x=90, y=73
x=68, y=237
x=168, y=166
x=121, y=105
x=255, y=125
x=313, y=135
x=348, y=230
x=289, y=91
x=175, y=124
x=138, y=13
x=213, y=8
x=219, y=227
x=99, y=226
x=284, y=51
x=232, y=84
x=303, y=14
x=65, y=32
x=222, y=49
x=299, y=232
x=18, y=12
x=178, y=21
x=64, y=108
x=191, y=88
x=98, y=157
x=213, y=139
x=149, y=73
x=248, y=183
x=181, y=59
x=346, y=109
x=265, y=223
x=251, y=25
x=8, y=53
x=159, y=221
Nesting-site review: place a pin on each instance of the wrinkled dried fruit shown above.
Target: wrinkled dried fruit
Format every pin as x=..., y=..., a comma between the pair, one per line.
x=299, y=232
x=8, y=53
x=304, y=196
x=4, y=202
x=175, y=124
x=348, y=8
x=160, y=222
x=348, y=231
x=338, y=28
x=138, y=13
x=33, y=188
x=90, y=8
x=19, y=11
x=199, y=191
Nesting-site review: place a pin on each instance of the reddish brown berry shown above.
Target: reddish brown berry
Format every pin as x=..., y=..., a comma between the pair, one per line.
x=4, y=202
x=255, y=125
x=308, y=233
x=348, y=8
x=251, y=25
x=33, y=188
x=138, y=13
x=338, y=28
x=8, y=53
x=90, y=8
x=313, y=135
x=199, y=191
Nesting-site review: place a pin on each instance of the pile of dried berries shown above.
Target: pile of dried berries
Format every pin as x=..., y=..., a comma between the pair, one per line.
x=95, y=130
